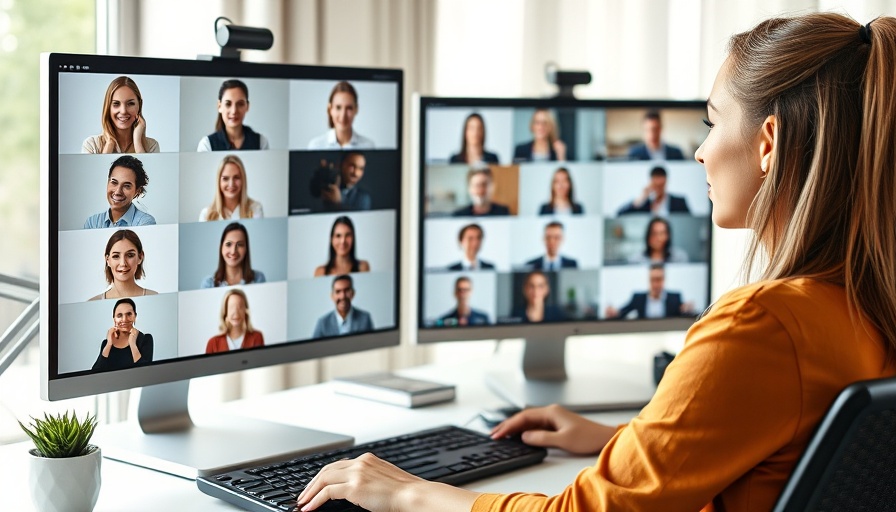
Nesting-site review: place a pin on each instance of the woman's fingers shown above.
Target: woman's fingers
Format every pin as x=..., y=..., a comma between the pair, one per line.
x=314, y=485
x=330, y=492
x=538, y=417
x=366, y=481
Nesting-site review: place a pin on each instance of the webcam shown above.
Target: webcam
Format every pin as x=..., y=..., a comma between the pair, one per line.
x=233, y=38
x=565, y=80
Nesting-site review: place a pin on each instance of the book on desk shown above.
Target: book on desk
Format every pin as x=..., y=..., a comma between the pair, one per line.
x=394, y=389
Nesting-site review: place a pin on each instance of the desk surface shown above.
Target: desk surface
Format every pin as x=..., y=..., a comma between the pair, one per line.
x=127, y=487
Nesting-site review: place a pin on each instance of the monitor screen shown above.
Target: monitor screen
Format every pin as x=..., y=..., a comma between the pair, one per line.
x=560, y=217
x=544, y=219
x=210, y=216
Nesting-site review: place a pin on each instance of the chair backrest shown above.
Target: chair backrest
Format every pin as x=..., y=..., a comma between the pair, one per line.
x=850, y=463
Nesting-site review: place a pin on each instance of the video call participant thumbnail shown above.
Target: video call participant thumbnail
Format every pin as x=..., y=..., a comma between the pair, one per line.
x=123, y=124
x=463, y=314
x=470, y=239
x=124, y=346
x=232, y=201
x=230, y=132
x=562, y=196
x=658, y=246
x=124, y=259
x=343, y=181
x=657, y=302
x=127, y=181
x=234, y=260
x=545, y=144
x=552, y=260
x=341, y=111
x=236, y=327
x=345, y=319
x=535, y=308
x=342, y=259
x=654, y=199
x=342, y=192
x=653, y=147
x=481, y=188
x=472, y=144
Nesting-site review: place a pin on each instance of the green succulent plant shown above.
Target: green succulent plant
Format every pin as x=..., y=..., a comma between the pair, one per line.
x=60, y=436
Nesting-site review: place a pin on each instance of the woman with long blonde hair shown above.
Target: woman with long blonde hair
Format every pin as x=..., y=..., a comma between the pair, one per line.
x=232, y=201
x=124, y=127
x=236, y=331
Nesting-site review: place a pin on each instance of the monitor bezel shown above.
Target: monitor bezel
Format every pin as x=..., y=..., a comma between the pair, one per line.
x=553, y=330
x=55, y=386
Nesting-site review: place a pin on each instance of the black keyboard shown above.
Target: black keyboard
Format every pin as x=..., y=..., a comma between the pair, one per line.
x=451, y=455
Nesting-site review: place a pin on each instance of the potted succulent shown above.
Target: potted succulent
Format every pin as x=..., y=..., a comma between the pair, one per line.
x=65, y=468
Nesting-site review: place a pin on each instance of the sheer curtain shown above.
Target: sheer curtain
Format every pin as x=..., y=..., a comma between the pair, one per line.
x=634, y=49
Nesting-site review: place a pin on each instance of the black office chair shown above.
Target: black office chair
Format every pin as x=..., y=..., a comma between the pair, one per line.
x=850, y=463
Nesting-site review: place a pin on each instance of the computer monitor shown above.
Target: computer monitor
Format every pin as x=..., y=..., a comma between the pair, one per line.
x=548, y=218
x=203, y=217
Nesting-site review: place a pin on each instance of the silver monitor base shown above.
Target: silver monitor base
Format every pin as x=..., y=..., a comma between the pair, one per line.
x=579, y=393
x=171, y=443
x=543, y=380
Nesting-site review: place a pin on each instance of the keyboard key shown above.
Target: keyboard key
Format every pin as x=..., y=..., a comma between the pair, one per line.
x=435, y=473
x=460, y=467
x=407, y=466
x=276, y=496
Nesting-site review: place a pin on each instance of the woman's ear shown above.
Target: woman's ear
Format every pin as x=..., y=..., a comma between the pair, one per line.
x=767, y=143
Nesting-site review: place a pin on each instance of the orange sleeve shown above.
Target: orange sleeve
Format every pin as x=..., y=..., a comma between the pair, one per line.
x=728, y=402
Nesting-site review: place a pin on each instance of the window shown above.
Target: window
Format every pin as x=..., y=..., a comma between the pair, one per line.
x=27, y=28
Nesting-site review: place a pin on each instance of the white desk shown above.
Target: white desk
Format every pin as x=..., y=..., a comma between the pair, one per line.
x=127, y=487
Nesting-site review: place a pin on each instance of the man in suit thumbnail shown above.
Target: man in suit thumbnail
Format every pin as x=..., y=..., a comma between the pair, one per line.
x=552, y=260
x=653, y=148
x=655, y=200
x=470, y=239
x=345, y=319
x=463, y=313
x=657, y=302
x=481, y=188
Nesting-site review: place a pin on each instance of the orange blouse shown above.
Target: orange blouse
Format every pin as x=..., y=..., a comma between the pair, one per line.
x=734, y=410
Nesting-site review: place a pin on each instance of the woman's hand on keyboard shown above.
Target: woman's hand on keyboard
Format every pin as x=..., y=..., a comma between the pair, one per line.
x=376, y=485
x=556, y=427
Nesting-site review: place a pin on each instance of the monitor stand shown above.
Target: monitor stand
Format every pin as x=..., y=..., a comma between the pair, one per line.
x=165, y=438
x=544, y=381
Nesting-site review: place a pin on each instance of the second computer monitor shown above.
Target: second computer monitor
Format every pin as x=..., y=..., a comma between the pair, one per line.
x=543, y=219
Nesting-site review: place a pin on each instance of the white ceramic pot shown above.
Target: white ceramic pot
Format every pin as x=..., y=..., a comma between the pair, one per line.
x=70, y=484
